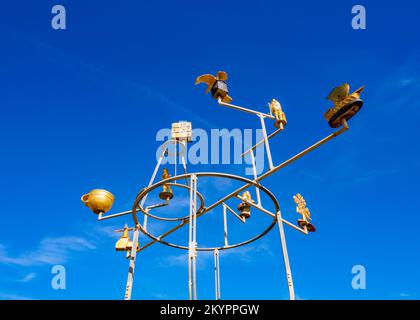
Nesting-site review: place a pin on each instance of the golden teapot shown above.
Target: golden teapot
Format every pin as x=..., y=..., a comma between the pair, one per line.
x=98, y=200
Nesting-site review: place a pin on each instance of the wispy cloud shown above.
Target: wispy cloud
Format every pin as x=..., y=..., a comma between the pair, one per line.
x=29, y=277
x=49, y=251
x=404, y=295
x=12, y=296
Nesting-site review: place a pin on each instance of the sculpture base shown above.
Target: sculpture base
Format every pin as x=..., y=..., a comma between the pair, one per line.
x=346, y=112
x=309, y=226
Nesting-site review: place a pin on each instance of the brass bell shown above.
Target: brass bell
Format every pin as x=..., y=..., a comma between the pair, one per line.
x=244, y=208
x=275, y=109
x=98, y=200
x=166, y=193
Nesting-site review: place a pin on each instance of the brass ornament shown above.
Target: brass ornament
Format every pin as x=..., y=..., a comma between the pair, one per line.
x=345, y=105
x=166, y=193
x=276, y=110
x=244, y=208
x=98, y=200
x=216, y=84
x=304, y=211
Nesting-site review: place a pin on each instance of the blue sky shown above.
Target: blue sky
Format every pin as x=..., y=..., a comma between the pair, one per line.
x=81, y=108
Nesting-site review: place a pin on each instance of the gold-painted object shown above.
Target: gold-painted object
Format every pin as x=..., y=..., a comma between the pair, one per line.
x=124, y=243
x=275, y=109
x=166, y=193
x=216, y=84
x=244, y=208
x=98, y=200
x=345, y=105
x=182, y=131
x=304, y=211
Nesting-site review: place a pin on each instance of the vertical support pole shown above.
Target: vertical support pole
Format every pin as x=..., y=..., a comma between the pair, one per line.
x=184, y=163
x=285, y=256
x=267, y=144
x=175, y=158
x=254, y=170
x=192, y=246
x=225, y=228
x=152, y=179
x=133, y=255
x=217, y=273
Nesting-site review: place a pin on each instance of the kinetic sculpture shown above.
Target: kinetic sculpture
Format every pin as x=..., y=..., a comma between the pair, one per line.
x=100, y=201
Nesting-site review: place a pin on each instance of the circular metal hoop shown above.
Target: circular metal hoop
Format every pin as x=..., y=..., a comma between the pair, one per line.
x=181, y=151
x=201, y=210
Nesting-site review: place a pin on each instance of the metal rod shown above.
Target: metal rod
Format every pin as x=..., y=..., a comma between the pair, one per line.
x=152, y=179
x=184, y=164
x=217, y=274
x=265, y=115
x=192, y=253
x=234, y=213
x=262, y=141
x=280, y=166
x=267, y=144
x=285, y=257
x=254, y=171
x=225, y=227
x=175, y=159
x=130, y=277
x=102, y=217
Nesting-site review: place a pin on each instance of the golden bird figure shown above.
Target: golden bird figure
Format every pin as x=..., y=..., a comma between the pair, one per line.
x=216, y=84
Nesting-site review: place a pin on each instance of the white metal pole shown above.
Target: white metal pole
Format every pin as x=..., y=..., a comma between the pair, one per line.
x=285, y=257
x=267, y=144
x=133, y=255
x=254, y=170
x=217, y=273
x=225, y=228
x=192, y=246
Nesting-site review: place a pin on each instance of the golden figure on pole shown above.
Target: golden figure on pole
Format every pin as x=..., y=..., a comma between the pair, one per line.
x=345, y=105
x=166, y=193
x=216, y=84
x=304, y=211
x=275, y=109
x=124, y=243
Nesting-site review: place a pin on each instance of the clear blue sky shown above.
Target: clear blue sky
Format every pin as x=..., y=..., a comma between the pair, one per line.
x=81, y=108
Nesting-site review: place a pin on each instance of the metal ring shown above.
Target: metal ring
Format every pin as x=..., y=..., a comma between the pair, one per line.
x=146, y=190
x=177, y=154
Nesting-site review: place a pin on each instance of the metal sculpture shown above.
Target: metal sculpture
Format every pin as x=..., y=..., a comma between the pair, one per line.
x=100, y=201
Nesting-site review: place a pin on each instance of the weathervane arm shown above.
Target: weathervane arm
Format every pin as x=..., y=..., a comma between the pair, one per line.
x=232, y=106
x=277, y=168
x=119, y=214
x=263, y=140
x=167, y=233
